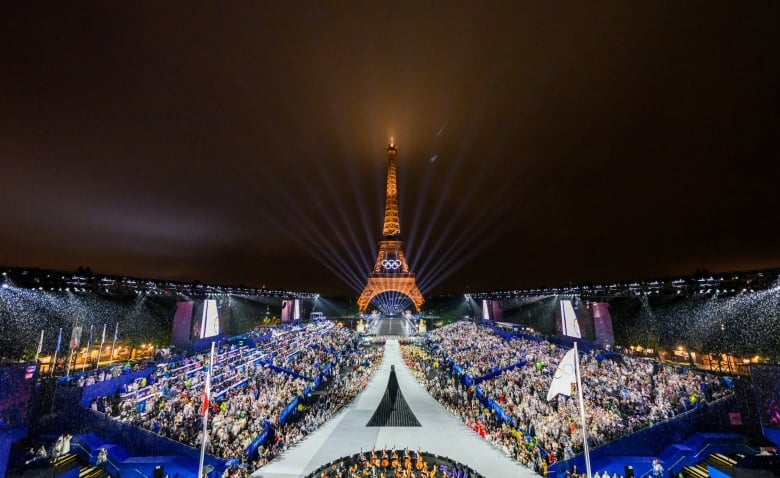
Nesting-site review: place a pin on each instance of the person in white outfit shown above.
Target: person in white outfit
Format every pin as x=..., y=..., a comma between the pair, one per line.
x=658, y=469
x=57, y=450
x=102, y=457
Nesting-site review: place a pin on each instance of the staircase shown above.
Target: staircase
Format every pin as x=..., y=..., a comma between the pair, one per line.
x=66, y=461
x=89, y=471
x=718, y=460
x=696, y=471
x=86, y=470
x=391, y=327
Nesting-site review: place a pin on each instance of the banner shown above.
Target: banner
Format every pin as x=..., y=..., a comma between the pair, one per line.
x=602, y=323
x=182, y=321
x=40, y=346
x=286, y=311
x=570, y=326
x=75, y=337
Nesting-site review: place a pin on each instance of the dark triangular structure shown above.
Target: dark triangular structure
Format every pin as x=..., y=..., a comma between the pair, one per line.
x=393, y=411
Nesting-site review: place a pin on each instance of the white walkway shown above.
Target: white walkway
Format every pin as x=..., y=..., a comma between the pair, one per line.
x=441, y=432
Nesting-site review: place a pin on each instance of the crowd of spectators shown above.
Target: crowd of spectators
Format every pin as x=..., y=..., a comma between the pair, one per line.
x=505, y=400
x=251, y=387
x=476, y=354
x=623, y=394
x=349, y=379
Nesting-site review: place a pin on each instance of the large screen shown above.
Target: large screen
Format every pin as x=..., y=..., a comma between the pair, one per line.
x=291, y=310
x=209, y=318
x=203, y=319
x=602, y=322
x=182, y=319
x=570, y=325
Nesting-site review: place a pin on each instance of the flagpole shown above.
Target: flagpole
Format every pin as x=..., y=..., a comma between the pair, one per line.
x=586, y=449
x=206, y=396
x=116, y=332
x=70, y=357
x=40, y=347
x=89, y=346
x=56, y=351
x=100, y=350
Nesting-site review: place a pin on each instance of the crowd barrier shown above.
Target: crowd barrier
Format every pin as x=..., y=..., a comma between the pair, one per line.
x=498, y=371
x=268, y=434
x=287, y=371
x=202, y=345
x=110, y=387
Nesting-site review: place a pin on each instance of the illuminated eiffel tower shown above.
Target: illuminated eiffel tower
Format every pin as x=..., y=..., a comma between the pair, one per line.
x=391, y=271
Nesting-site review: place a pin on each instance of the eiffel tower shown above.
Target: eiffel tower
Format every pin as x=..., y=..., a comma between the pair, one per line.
x=391, y=271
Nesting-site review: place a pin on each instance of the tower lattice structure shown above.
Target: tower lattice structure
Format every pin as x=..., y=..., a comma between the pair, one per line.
x=391, y=271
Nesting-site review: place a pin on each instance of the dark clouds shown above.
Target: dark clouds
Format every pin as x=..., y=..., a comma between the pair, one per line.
x=243, y=142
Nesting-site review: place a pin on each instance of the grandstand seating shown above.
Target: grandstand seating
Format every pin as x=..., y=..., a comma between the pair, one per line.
x=294, y=351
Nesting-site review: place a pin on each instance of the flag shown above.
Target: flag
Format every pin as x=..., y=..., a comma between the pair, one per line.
x=75, y=337
x=116, y=332
x=204, y=409
x=90, y=335
x=40, y=346
x=206, y=396
x=564, y=377
x=103, y=338
x=206, y=391
x=59, y=341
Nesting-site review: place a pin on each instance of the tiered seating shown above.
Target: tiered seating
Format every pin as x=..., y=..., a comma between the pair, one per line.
x=252, y=388
x=511, y=377
x=192, y=374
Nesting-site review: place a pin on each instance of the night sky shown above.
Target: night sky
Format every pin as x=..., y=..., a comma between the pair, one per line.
x=244, y=142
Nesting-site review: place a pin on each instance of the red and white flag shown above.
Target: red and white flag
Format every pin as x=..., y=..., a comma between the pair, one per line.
x=207, y=386
x=206, y=393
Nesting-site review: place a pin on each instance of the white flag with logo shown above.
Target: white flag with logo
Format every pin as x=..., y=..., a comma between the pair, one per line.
x=565, y=379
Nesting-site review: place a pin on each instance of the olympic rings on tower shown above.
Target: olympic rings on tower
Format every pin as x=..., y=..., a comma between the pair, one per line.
x=391, y=263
